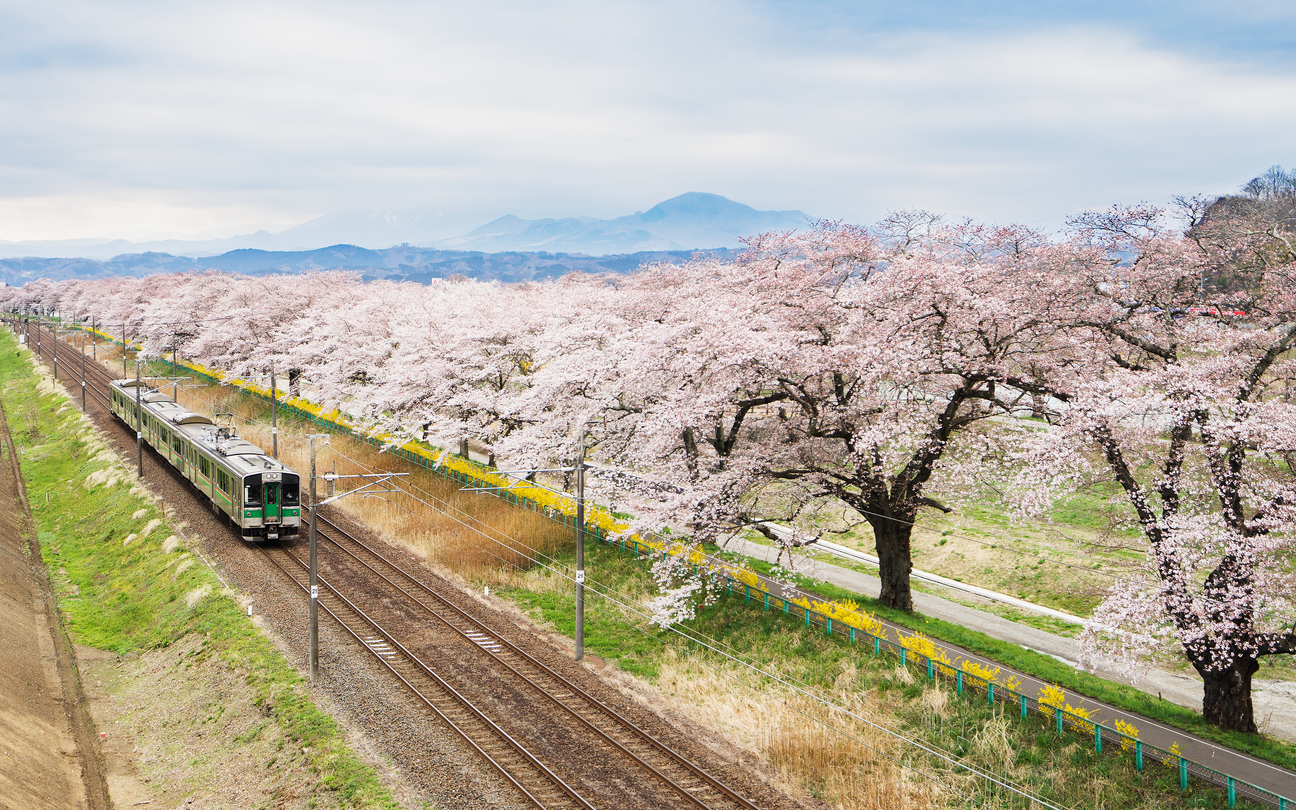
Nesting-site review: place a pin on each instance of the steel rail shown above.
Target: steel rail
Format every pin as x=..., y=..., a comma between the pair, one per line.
x=472, y=712
x=564, y=796
x=74, y=368
x=588, y=702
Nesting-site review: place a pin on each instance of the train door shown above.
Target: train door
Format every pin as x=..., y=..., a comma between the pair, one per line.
x=271, y=494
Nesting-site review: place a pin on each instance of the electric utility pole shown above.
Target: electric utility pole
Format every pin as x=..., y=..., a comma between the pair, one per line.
x=580, y=549
x=374, y=479
x=314, y=582
x=274, y=415
x=579, y=469
x=139, y=421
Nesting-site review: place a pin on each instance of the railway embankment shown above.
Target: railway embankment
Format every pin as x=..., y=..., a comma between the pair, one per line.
x=182, y=699
x=47, y=754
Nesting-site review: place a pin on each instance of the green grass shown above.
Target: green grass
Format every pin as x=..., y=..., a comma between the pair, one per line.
x=1061, y=768
x=1045, y=668
x=134, y=597
x=1089, y=510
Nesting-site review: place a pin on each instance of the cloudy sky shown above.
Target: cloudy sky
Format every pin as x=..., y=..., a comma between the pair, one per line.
x=147, y=119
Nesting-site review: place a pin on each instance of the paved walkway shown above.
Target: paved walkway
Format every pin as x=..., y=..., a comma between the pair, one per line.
x=1180, y=689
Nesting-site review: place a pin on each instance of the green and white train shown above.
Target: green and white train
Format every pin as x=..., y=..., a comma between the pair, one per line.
x=257, y=493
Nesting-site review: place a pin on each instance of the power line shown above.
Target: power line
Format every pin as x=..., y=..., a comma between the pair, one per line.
x=725, y=651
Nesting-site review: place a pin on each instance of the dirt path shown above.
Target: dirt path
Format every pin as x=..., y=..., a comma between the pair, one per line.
x=48, y=757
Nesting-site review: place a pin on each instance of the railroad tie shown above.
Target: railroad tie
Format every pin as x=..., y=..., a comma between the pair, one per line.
x=380, y=648
x=484, y=641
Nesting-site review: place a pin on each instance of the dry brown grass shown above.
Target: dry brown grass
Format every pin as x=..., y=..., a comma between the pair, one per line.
x=830, y=754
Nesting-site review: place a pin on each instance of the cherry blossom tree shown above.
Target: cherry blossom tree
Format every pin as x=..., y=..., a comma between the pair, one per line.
x=822, y=376
x=1175, y=391
x=820, y=381
x=834, y=377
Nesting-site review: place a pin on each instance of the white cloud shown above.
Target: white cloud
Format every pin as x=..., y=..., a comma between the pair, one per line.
x=197, y=117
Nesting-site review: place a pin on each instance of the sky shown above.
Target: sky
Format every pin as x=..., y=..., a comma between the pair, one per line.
x=147, y=120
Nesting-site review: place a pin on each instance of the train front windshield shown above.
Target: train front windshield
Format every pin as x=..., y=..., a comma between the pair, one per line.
x=289, y=490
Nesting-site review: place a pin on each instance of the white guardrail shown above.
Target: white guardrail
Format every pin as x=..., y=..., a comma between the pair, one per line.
x=935, y=579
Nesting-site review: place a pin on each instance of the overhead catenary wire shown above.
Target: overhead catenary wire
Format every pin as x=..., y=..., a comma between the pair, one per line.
x=611, y=599
x=912, y=524
x=1113, y=577
x=607, y=593
x=715, y=646
x=998, y=546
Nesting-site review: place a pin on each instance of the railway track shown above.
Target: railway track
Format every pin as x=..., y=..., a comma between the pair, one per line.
x=67, y=360
x=641, y=769
x=502, y=751
x=690, y=784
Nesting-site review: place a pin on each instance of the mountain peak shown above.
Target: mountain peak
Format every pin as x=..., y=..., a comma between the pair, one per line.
x=691, y=221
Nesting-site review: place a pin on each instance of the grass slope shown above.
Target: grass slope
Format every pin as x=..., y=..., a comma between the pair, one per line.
x=1086, y=514
x=127, y=585
x=1062, y=769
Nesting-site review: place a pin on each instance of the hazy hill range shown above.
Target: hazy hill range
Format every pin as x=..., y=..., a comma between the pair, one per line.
x=508, y=249
x=687, y=222
x=401, y=263
x=692, y=220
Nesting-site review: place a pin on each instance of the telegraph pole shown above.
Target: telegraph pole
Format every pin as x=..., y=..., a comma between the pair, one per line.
x=580, y=549
x=139, y=421
x=54, y=360
x=314, y=582
x=373, y=479
x=83, y=374
x=274, y=417
x=123, y=349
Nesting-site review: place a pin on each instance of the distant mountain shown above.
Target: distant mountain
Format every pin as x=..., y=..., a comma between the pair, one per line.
x=687, y=222
x=693, y=220
x=373, y=229
x=401, y=263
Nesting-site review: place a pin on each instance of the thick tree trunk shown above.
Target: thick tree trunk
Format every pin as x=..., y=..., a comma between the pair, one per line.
x=894, y=561
x=1226, y=701
x=294, y=382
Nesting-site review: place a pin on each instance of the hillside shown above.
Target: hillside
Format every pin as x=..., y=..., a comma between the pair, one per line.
x=691, y=221
x=401, y=263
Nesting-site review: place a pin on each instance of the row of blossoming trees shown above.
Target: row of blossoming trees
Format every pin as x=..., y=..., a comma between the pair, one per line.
x=850, y=375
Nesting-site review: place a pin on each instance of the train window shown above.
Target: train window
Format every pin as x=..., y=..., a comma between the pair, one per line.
x=203, y=467
x=272, y=493
x=289, y=493
x=252, y=493
x=177, y=444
